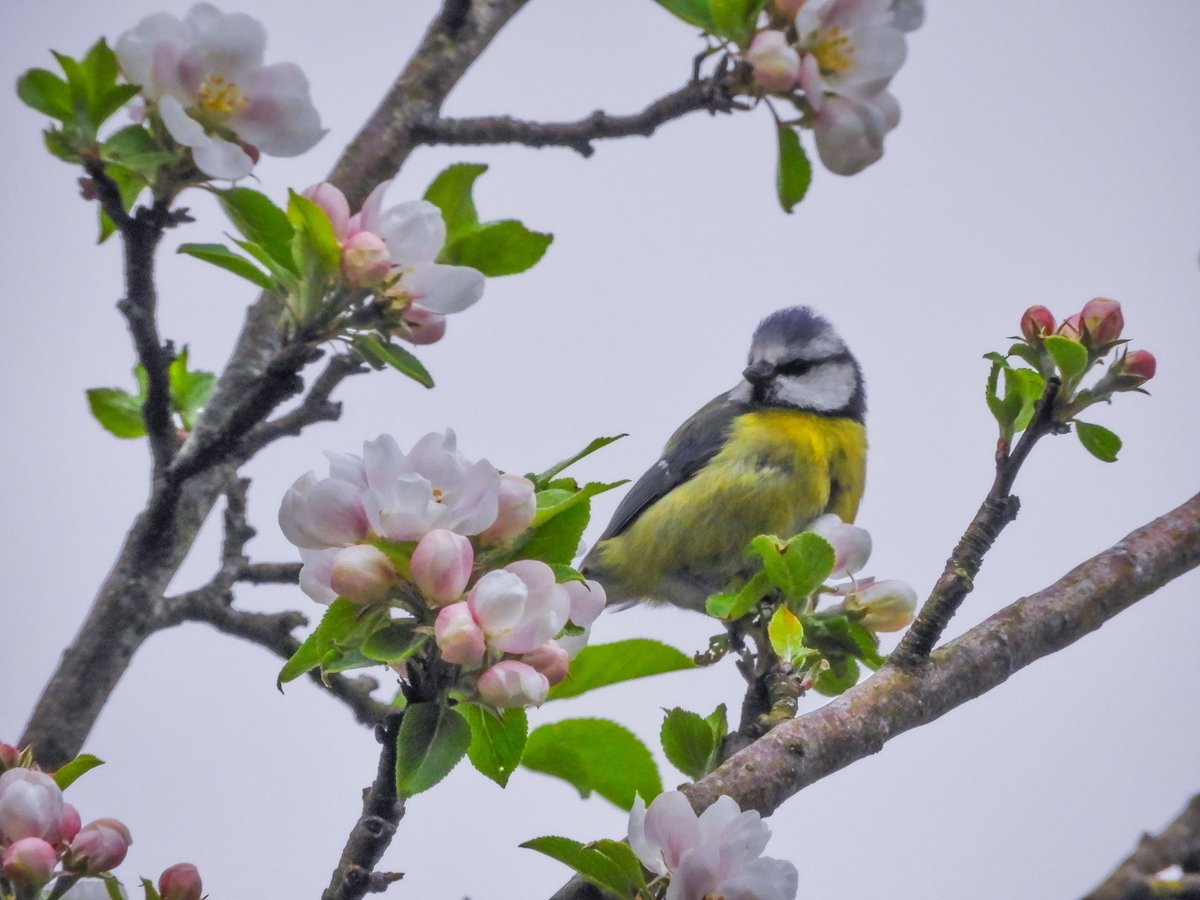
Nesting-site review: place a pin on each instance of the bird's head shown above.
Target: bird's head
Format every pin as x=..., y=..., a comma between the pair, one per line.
x=797, y=360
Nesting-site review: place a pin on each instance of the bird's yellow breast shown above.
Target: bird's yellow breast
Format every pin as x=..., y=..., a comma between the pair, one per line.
x=778, y=471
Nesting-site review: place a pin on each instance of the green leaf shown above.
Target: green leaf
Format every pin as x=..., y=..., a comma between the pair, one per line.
x=261, y=222
x=339, y=619
x=393, y=643
x=118, y=412
x=798, y=566
x=556, y=501
x=497, y=248
x=223, y=258
x=60, y=146
x=99, y=69
x=786, y=634
x=793, y=173
x=47, y=93
x=841, y=675
x=112, y=100
x=113, y=887
x=595, y=755
x=310, y=220
x=1023, y=388
x=70, y=772
x=541, y=480
x=600, y=863
x=688, y=741
x=190, y=390
x=450, y=192
x=556, y=542
x=378, y=353
x=1069, y=355
x=598, y=665
x=77, y=88
x=432, y=739
x=719, y=724
x=734, y=606
x=735, y=19
x=134, y=148
x=1098, y=441
x=150, y=892
x=497, y=741
x=694, y=12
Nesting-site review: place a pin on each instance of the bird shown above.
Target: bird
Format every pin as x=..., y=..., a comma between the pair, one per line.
x=785, y=445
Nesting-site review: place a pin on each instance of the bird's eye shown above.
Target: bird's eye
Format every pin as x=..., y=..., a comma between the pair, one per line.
x=795, y=367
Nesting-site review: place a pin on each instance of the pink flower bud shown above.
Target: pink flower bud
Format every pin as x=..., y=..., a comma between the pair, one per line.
x=587, y=601
x=1128, y=372
x=1102, y=321
x=1072, y=327
x=517, y=508
x=365, y=259
x=29, y=862
x=851, y=544
x=458, y=635
x=31, y=805
x=513, y=683
x=70, y=823
x=99, y=847
x=441, y=566
x=886, y=605
x=1140, y=364
x=362, y=574
x=10, y=757
x=551, y=660
x=776, y=63
x=180, y=882
x=420, y=326
x=1037, y=323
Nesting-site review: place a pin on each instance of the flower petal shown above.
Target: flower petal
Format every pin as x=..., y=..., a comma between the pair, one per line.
x=279, y=119
x=441, y=288
x=414, y=232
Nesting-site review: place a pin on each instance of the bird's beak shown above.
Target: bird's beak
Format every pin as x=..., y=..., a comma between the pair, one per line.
x=758, y=372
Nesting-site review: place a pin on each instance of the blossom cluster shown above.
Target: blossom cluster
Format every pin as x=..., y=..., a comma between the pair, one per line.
x=842, y=55
x=393, y=253
x=1098, y=328
x=715, y=854
x=407, y=531
x=204, y=79
x=876, y=605
x=42, y=837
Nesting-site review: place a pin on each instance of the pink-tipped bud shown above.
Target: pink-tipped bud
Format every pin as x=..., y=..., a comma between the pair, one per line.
x=333, y=203
x=441, y=566
x=420, y=326
x=1102, y=321
x=70, y=823
x=1128, y=372
x=99, y=847
x=776, y=63
x=587, y=601
x=551, y=660
x=1072, y=327
x=885, y=605
x=365, y=259
x=513, y=683
x=180, y=882
x=517, y=508
x=458, y=635
x=31, y=805
x=10, y=757
x=1140, y=364
x=362, y=574
x=851, y=544
x=29, y=863
x=1037, y=323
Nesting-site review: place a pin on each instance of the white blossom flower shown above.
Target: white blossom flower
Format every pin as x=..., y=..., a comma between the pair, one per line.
x=31, y=805
x=513, y=683
x=851, y=48
x=205, y=77
x=850, y=132
x=716, y=854
x=851, y=544
x=520, y=607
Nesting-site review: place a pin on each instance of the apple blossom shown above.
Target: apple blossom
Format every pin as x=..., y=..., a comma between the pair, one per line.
x=420, y=326
x=776, y=62
x=180, y=882
x=520, y=607
x=1102, y=321
x=70, y=824
x=316, y=514
x=31, y=805
x=851, y=48
x=851, y=544
x=1072, y=327
x=205, y=78
x=441, y=566
x=587, y=601
x=517, y=507
x=512, y=683
x=850, y=131
x=100, y=846
x=716, y=854
x=362, y=574
x=29, y=862
x=551, y=660
x=1036, y=323
x=885, y=605
x=459, y=637
x=316, y=574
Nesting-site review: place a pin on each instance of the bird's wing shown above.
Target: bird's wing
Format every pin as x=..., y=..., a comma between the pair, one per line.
x=696, y=442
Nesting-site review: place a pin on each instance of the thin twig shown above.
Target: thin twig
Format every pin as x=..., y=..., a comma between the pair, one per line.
x=355, y=875
x=1177, y=844
x=270, y=573
x=316, y=407
x=710, y=94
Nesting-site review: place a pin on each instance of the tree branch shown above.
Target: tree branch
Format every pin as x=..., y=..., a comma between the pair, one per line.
x=712, y=94
x=270, y=573
x=355, y=875
x=316, y=407
x=1177, y=844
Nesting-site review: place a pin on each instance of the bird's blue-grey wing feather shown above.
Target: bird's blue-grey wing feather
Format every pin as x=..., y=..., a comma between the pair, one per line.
x=696, y=442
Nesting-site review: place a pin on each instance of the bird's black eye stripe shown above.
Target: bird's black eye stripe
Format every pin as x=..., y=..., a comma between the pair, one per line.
x=795, y=367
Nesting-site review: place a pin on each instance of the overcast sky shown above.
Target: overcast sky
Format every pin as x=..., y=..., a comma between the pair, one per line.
x=1047, y=154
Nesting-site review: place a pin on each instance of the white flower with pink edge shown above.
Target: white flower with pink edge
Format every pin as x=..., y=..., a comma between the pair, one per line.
x=520, y=607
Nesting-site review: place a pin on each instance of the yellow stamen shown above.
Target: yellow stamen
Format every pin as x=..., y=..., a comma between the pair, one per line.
x=437, y=495
x=221, y=96
x=834, y=51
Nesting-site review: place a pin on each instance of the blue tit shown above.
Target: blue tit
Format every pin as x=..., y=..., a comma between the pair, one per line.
x=784, y=446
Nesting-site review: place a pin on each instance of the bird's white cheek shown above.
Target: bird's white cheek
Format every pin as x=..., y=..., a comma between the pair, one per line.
x=829, y=388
